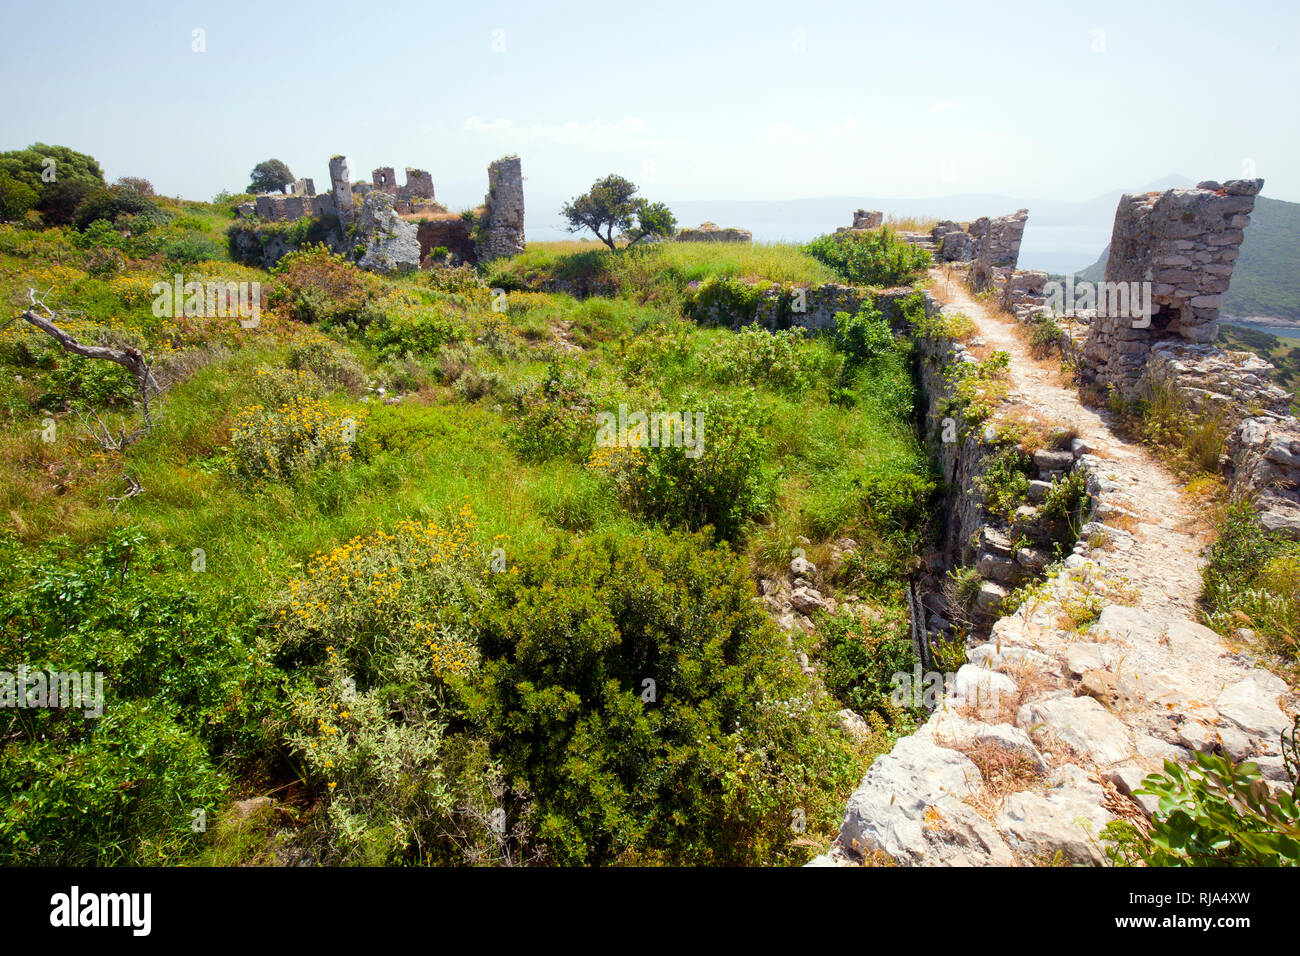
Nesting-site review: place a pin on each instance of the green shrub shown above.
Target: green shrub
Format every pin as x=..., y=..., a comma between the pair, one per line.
x=328, y=361
x=710, y=763
x=861, y=653
x=865, y=336
x=404, y=323
x=554, y=418
x=720, y=482
x=1213, y=813
x=1250, y=580
x=291, y=430
x=1046, y=337
x=755, y=356
x=314, y=285
x=875, y=258
x=187, y=692
x=1005, y=481
x=385, y=624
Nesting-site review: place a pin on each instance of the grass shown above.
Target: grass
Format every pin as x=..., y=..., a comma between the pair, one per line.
x=658, y=273
x=836, y=453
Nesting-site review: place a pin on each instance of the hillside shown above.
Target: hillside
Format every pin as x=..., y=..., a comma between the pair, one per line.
x=1267, y=278
x=286, y=565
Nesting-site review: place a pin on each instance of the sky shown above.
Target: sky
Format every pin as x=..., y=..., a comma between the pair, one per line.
x=750, y=100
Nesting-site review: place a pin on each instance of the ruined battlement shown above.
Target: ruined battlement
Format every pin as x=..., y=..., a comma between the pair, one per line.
x=864, y=219
x=504, y=232
x=1178, y=249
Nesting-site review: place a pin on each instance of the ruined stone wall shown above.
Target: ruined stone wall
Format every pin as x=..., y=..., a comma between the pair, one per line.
x=1178, y=248
x=451, y=234
x=341, y=184
x=708, y=232
x=1172, y=256
x=952, y=242
x=864, y=219
x=504, y=230
x=997, y=247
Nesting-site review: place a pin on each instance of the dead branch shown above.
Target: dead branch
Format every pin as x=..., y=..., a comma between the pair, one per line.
x=133, y=488
x=129, y=358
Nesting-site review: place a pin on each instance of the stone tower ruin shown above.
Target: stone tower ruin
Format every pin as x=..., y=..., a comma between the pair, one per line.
x=1182, y=243
x=504, y=231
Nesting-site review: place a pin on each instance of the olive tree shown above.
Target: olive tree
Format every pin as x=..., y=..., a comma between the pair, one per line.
x=612, y=210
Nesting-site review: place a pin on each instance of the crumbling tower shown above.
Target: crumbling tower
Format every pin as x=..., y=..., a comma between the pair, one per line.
x=1184, y=243
x=504, y=234
x=341, y=183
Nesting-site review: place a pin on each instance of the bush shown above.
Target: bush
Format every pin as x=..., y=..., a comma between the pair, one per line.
x=291, y=430
x=385, y=624
x=719, y=483
x=554, y=418
x=117, y=206
x=875, y=258
x=864, y=337
x=652, y=708
x=1005, y=481
x=407, y=323
x=186, y=689
x=328, y=361
x=1250, y=580
x=313, y=285
x=859, y=656
x=755, y=356
x=1213, y=813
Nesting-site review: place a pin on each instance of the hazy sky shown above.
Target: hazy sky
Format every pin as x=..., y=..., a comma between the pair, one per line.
x=751, y=100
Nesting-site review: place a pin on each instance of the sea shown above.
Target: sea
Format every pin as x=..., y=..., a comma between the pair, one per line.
x=1055, y=249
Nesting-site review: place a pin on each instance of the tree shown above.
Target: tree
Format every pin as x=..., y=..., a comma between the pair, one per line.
x=611, y=209
x=269, y=176
x=135, y=184
x=61, y=177
x=16, y=197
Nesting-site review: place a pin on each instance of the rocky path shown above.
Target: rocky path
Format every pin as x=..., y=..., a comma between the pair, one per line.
x=1162, y=561
x=1044, y=734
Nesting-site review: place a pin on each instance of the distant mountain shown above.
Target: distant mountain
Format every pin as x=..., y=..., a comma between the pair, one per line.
x=1100, y=210
x=1266, y=281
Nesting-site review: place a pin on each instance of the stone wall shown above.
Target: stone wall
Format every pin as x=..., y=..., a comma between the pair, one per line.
x=709, y=232
x=1177, y=248
x=1173, y=254
x=996, y=247
x=341, y=185
x=782, y=307
x=1085, y=713
x=864, y=219
x=451, y=234
x=952, y=242
x=504, y=230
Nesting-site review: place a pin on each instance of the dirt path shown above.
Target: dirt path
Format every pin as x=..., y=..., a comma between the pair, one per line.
x=1091, y=684
x=1163, y=562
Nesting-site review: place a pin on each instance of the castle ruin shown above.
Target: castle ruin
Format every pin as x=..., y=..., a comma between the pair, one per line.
x=501, y=223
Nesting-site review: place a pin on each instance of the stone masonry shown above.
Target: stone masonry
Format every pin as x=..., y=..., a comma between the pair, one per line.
x=504, y=232
x=1183, y=242
x=341, y=184
x=1179, y=245
x=997, y=247
x=709, y=232
x=864, y=219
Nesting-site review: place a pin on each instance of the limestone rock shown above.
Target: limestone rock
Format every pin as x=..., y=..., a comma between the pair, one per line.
x=391, y=243
x=909, y=805
x=1079, y=723
x=1067, y=819
x=1251, y=704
